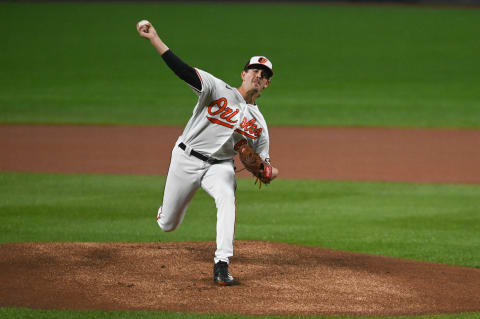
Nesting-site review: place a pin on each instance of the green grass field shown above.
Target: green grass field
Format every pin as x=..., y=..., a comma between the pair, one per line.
x=79, y=63
x=335, y=66
x=46, y=314
x=438, y=223
x=42, y=314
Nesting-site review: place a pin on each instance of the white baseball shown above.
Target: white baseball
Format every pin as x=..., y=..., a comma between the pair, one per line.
x=142, y=23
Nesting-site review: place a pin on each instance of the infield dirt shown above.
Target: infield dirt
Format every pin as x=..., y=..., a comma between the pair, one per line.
x=358, y=154
x=273, y=278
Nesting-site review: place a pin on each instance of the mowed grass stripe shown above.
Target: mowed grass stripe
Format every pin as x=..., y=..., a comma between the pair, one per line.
x=437, y=223
x=51, y=314
x=334, y=66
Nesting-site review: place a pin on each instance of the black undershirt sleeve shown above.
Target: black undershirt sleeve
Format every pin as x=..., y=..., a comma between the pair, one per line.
x=182, y=70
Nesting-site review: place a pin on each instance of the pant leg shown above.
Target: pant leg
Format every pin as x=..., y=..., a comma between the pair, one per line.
x=219, y=182
x=183, y=180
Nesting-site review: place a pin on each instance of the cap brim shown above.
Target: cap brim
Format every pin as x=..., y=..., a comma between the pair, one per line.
x=261, y=66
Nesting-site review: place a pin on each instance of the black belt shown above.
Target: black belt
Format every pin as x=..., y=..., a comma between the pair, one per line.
x=200, y=156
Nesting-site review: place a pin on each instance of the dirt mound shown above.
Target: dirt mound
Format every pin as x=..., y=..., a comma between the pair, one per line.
x=273, y=279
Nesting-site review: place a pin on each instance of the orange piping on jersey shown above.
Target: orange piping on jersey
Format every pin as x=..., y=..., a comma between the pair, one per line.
x=213, y=120
x=201, y=81
x=198, y=74
x=246, y=134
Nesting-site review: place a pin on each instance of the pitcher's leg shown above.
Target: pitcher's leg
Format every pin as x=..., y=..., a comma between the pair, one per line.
x=183, y=180
x=177, y=197
x=219, y=182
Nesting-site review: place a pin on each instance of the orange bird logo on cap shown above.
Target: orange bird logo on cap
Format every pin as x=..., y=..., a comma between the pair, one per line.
x=262, y=60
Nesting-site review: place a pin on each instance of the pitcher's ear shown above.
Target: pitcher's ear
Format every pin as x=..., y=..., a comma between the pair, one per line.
x=268, y=83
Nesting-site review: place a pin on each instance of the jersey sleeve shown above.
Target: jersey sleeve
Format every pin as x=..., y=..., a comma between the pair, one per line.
x=208, y=83
x=262, y=147
x=264, y=154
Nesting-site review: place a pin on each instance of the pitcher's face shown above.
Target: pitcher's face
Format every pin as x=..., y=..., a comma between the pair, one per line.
x=255, y=79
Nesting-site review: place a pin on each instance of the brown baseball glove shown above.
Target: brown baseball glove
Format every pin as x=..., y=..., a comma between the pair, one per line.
x=254, y=163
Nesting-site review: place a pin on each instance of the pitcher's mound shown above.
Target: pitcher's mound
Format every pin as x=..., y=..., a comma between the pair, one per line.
x=273, y=279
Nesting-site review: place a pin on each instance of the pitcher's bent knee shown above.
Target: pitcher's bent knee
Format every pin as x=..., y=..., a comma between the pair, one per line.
x=165, y=228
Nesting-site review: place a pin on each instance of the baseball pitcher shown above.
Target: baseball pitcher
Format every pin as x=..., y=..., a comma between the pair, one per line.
x=226, y=121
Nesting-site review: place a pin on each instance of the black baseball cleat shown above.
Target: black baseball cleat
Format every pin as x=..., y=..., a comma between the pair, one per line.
x=221, y=275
